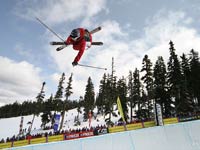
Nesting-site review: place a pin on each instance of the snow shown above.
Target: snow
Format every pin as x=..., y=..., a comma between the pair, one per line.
x=180, y=136
x=10, y=126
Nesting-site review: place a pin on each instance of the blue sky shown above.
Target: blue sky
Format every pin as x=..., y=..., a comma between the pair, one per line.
x=130, y=29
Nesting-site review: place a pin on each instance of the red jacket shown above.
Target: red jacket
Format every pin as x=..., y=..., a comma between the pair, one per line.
x=80, y=44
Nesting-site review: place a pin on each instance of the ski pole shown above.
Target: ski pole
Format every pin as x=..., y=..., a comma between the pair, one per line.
x=50, y=29
x=92, y=66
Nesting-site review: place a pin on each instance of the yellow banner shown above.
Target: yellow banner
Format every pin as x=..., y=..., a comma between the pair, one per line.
x=20, y=143
x=129, y=127
x=55, y=138
x=120, y=108
x=170, y=120
x=149, y=124
x=38, y=140
x=5, y=145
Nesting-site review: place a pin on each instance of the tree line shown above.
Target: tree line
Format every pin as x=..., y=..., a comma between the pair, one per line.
x=174, y=85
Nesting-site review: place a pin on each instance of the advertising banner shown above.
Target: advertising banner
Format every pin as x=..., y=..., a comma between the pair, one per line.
x=21, y=125
x=158, y=114
x=70, y=136
x=57, y=121
x=119, y=106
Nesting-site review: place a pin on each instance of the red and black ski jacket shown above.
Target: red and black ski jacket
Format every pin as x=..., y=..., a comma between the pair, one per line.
x=80, y=44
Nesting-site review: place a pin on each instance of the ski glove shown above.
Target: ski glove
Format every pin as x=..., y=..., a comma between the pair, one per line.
x=74, y=63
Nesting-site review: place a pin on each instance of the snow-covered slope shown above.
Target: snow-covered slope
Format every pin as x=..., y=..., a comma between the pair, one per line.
x=181, y=136
x=10, y=126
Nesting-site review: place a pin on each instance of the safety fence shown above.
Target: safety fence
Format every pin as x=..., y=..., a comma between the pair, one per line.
x=53, y=138
x=141, y=125
x=71, y=136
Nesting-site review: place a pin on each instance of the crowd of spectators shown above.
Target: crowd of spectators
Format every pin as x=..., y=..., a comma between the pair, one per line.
x=95, y=130
x=50, y=132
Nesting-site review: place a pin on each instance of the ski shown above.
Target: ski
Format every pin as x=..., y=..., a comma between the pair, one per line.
x=91, y=32
x=95, y=30
x=57, y=43
x=97, y=43
x=62, y=43
x=61, y=47
x=91, y=66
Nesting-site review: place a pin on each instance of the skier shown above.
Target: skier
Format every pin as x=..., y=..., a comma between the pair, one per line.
x=81, y=39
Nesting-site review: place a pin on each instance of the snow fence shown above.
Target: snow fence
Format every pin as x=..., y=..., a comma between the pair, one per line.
x=180, y=136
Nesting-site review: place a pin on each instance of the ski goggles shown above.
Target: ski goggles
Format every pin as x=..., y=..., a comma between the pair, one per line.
x=74, y=38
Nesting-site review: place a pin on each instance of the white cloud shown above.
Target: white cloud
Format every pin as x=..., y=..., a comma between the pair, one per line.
x=18, y=80
x=55, y=77
x=59, y=11
x=127, y=51
x=100, y=56
x=21, y=51
x=166, y=26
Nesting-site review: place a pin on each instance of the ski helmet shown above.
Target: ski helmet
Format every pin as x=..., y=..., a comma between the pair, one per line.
x=75, y=34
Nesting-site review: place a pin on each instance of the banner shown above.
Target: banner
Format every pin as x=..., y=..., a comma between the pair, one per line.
x=70, y=136
x=170, y=121
x=90, y=118
x=57, y=121
x=158, y=114
x=21, y=126
x=86, y=134
x=119, y=106
x=121, y=112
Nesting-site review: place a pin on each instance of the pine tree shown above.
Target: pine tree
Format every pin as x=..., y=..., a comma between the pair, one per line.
x=89, y=98
x=160, y=85
x=195, y=77
x=108, y=108
x=122, y=93
x=38, y=107
x=40, y=100
x=186, y=98
x=49, y=107
x=148, y=80
x=174, y=77
x=134, y=90
x=68, y=92
x=45, y=118
x=27, y=108
x=80, y=104
x=185, y=66
x=58, y=103
x=143, y=113
x=101, y=98
x=137, y=90
x=111, y=90
x=130, y=92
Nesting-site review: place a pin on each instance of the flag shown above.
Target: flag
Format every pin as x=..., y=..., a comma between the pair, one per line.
x=21, y=125
x=90, y=118
x=57, y=120
x=158, y=114
x=120, y=108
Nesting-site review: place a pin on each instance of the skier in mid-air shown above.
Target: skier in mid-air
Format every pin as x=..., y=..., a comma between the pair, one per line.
x=81, y=39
